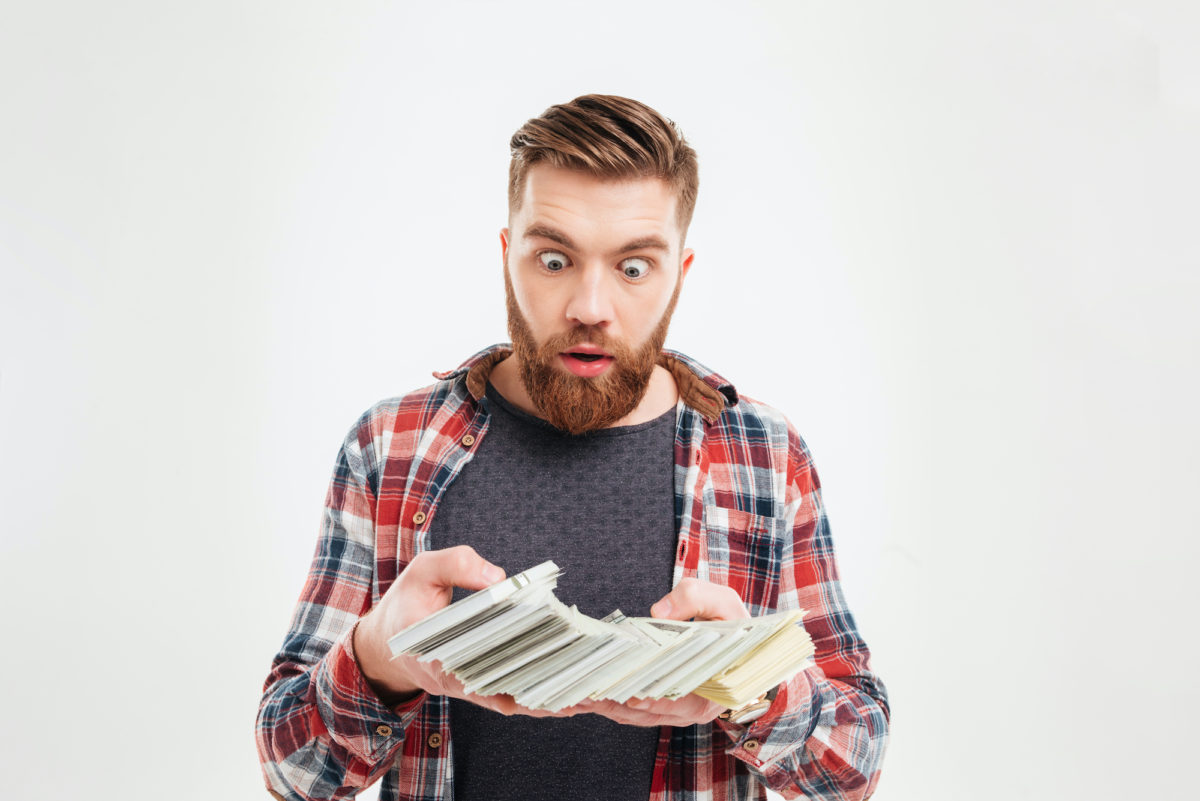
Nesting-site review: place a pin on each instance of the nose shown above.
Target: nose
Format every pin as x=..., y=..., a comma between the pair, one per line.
x=591, y=301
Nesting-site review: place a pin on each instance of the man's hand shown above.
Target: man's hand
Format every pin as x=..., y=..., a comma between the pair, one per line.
x=691, y=598
x=424, y=587
x=703, y=600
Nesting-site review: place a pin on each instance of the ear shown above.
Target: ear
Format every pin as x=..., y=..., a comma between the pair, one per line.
x=685, y=263
x=504, y=246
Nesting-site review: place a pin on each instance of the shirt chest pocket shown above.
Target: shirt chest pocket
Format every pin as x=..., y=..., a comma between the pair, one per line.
x=745, y=552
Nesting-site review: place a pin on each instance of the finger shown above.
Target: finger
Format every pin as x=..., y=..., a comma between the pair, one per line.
x=582, y=708
x=427, y=675
x=686, y=710
x=459, y=566
x=450, y=685
x=705, y=710
x=565, y=712
x=646, y=713
x=504, y=704
x=622, y=714
x=700, y=599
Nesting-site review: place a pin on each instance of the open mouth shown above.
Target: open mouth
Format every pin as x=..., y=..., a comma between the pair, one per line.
x=587, y=362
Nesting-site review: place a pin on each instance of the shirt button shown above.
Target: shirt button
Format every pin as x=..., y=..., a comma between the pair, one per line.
x=468, y=440
x=751, y=745
x=419, y=518
x=383, y=730
x=435, y=740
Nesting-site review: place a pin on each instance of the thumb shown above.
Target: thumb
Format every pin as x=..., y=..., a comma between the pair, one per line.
x=702, y=600
x=460, y=566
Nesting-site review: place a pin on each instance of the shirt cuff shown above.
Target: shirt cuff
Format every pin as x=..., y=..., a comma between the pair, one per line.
x=786, y=725
x=352, y=712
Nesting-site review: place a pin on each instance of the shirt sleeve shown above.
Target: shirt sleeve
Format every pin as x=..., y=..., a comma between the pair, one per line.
x=825, y=733
x=322, y=732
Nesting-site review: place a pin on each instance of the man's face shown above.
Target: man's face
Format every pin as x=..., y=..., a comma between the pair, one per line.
x=592, y=271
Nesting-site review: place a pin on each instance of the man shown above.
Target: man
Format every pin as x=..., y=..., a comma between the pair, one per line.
x=644, y=475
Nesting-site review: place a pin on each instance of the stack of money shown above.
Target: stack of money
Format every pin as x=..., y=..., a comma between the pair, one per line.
x=517, y=638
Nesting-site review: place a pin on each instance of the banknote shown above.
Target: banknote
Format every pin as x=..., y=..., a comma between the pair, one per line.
x=517, y=638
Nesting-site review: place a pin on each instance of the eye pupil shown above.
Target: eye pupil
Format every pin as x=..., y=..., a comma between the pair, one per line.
x=553, y=262
x=635, y=269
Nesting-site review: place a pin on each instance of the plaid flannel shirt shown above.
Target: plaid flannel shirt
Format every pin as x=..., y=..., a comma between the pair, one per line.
x=749, y=513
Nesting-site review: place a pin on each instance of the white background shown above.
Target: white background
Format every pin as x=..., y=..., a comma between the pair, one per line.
x=955, y=242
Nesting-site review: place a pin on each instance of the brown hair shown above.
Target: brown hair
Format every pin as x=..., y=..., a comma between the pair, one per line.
x=609, y=137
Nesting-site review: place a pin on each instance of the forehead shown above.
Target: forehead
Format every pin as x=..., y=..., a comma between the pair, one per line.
x=585, y=204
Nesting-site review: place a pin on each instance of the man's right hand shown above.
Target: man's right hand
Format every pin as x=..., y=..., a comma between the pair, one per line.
x=421, y=589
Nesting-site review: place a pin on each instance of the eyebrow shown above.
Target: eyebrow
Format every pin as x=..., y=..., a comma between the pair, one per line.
x=554, y=235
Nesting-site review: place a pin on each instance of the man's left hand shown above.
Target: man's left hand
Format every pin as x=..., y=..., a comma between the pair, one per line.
x=691, y=598
x=703, y=600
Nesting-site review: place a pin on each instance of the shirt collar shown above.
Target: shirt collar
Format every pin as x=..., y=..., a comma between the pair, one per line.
x=699, y=387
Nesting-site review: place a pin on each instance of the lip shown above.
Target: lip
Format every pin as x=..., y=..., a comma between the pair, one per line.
x=587, y=347
x=586, y=369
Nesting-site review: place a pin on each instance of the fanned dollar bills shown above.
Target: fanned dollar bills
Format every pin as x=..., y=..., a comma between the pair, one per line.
x=517, y=638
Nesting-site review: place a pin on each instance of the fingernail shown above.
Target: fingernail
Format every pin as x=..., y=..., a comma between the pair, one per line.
x=492, y=574
x=661, y=609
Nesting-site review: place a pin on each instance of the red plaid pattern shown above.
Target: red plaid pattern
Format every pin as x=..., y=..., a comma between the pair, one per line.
x=748, y=504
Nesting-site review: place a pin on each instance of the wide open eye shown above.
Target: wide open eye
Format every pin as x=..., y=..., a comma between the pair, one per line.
x=635, y=268
x=553, y=261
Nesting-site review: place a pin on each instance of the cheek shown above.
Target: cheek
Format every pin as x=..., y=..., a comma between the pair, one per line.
x=536, y=304
x=649, y=312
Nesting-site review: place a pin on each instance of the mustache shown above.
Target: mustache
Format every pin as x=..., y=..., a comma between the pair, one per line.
x=590, y=334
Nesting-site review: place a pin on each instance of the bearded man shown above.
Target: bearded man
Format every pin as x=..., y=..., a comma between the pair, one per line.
x=644, y=475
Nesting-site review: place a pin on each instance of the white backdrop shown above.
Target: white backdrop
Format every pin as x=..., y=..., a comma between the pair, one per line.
x=955, y=242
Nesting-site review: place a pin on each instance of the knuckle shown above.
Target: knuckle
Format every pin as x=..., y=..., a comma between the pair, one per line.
x=464, y=558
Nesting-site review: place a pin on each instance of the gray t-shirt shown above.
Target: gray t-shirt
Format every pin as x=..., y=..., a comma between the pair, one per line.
x=602, y=506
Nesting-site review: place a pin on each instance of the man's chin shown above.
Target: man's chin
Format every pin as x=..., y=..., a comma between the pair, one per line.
x=578, y=420
x=579, y=405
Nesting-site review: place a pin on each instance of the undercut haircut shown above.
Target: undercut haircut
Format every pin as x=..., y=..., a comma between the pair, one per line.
x=608, y=137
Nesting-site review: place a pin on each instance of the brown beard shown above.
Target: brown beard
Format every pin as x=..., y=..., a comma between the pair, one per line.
x=573, y=403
